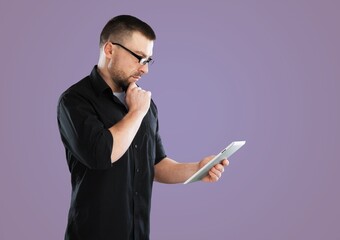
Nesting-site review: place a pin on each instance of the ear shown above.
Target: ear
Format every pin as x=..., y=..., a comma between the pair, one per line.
x=108, y=50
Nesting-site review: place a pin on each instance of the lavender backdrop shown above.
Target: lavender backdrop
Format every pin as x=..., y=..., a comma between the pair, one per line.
x=263, y=71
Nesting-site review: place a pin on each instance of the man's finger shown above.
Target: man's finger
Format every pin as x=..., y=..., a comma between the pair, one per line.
x=132, y=86
x=220, y=168
x=216, y=172
x=213, y=176
x=225, y=162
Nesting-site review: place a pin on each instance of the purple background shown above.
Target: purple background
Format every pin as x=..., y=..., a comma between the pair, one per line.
x=262, y=71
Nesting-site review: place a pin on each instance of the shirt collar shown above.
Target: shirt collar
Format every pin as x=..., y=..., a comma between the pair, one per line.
x=98, y=82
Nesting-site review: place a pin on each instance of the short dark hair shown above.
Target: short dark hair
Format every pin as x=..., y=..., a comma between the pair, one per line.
x=123, y=26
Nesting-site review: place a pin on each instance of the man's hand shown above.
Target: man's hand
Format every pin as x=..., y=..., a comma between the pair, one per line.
x=123, y=132
x=215, y=172
x=138, y=99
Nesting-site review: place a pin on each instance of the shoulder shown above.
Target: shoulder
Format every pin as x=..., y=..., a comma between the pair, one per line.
x=153, y=108
x=79, y=90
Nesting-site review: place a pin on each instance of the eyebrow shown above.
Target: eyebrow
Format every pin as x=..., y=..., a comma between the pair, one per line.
x=142, y=54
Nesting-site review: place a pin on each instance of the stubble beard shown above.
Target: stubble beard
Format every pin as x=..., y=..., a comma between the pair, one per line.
x=120, y=80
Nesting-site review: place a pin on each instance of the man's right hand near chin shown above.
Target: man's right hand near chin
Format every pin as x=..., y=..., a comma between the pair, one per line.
x=137, y=99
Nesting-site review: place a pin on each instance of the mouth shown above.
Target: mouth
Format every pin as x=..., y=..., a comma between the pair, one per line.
x=136, y=77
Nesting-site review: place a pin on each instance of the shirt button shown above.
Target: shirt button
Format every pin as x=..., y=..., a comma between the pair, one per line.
x=136, y=193
x=136, y=146
x=137, y=170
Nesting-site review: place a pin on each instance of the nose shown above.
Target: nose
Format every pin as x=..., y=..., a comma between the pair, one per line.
x=144, y=68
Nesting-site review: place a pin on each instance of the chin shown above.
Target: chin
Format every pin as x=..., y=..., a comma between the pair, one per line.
x=124, y=85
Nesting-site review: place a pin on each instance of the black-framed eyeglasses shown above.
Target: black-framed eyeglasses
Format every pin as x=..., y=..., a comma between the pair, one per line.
x=141, y=60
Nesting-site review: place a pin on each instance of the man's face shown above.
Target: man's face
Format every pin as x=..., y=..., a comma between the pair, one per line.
x=124, y=67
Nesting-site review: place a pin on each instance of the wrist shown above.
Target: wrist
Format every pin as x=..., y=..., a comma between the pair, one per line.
x=136, y=114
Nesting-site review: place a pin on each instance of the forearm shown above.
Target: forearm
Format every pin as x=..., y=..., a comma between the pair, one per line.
x=123, y=133
x=170, y=171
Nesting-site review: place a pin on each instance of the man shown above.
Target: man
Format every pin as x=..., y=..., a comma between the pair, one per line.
x=109, y=127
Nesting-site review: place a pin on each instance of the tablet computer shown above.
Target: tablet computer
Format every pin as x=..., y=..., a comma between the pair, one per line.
x=225, y=153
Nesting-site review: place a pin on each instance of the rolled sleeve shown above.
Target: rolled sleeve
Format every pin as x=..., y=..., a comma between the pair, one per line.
x=82, y=132
x=160, y=152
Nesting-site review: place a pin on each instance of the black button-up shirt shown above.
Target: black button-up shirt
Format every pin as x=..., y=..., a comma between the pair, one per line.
x=109, y=201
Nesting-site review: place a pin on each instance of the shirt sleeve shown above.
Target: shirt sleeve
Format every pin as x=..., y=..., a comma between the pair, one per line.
x=160, y=152
x=82, y=132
